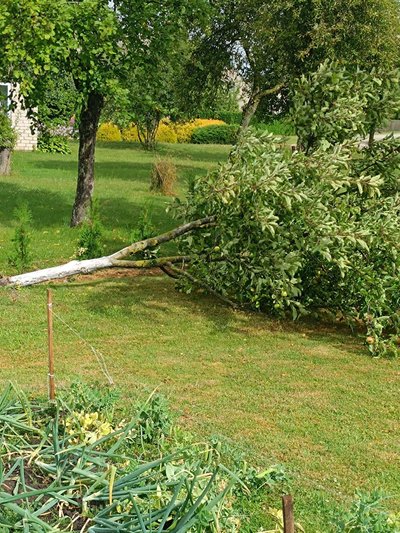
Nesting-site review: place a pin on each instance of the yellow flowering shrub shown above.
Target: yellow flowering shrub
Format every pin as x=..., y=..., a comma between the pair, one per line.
x=168, y=132
x=109, y=132
x=130, y=134
x=165, y=134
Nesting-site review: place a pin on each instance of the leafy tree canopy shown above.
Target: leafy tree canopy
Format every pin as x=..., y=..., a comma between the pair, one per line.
x=271, y=43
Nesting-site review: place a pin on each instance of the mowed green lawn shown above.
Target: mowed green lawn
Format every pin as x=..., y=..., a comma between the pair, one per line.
x=305, y=395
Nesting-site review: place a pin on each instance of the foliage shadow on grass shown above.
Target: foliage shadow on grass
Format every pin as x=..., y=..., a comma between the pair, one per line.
x=48, y=208
x=133, y=171
x=120, y=294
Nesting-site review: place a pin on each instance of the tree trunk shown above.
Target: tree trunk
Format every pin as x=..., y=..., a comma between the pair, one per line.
x=250, y=109
x=5, y=161
x=89, y=123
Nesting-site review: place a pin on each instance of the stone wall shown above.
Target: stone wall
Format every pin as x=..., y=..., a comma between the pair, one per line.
x=26, y=139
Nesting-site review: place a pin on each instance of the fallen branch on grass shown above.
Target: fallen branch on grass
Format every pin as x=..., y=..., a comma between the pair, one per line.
x=116, y=260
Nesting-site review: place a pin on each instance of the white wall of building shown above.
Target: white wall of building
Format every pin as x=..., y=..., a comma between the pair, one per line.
x=26, y=140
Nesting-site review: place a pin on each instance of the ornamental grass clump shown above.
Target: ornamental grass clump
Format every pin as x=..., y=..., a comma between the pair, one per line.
x=163, y=177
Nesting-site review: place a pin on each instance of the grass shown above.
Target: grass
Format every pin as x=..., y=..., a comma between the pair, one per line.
x=305, y=395
x=47, y=184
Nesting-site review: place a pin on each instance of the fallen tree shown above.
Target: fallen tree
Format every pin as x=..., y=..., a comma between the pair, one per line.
x=116, y=260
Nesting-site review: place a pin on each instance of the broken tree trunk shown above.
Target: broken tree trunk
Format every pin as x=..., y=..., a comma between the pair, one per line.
x=116, y=260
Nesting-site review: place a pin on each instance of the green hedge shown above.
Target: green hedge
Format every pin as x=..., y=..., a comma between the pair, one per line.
x=230, y=117
x=223, y=134
x=277, y=127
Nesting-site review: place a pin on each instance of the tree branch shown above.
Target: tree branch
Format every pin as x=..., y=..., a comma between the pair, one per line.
x=161, y=239
x=88, y=266
x=151, y=263
x=272, y=90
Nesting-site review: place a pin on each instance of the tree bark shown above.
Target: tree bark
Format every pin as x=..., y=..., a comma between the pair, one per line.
x=112, y=261
x=89, y=123
x=250, y=109
x=5, y=161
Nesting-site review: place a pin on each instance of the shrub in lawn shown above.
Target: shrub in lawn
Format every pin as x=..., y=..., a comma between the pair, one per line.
x=20, y=256
x=130, y=134
x=184, y=130
x=109, y=132
x=163, y=177
x=166, y=133
x=53, y=144
x=218, y=134
x=90, y=243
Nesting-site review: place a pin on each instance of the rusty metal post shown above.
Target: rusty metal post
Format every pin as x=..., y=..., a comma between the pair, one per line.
x=288, y=514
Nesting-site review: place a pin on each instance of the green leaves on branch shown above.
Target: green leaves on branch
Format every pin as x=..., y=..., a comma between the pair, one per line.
x=8, y=137
x=302, y=234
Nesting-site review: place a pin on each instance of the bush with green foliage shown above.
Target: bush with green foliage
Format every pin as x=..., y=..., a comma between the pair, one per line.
x=21, y=256
x=53, y=144
x=218, y=134
x=8, y=136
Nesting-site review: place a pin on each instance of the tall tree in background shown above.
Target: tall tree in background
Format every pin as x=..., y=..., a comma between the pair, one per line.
x=98, y=43
x=270, y=43
x=152, y=91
